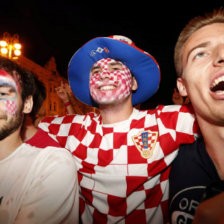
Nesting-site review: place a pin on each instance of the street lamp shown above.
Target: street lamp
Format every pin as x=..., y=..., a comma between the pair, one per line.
x=10, y=46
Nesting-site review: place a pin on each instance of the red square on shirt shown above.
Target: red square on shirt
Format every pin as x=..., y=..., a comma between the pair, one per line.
x=120, y=139
x=154, y=197
x=134, y=156
x=137, y=216
x=117, y=206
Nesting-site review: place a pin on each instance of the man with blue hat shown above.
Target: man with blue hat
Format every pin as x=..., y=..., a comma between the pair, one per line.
x=122, y=154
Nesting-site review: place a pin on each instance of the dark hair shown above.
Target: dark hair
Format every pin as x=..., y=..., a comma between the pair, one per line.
x=25, y=77
x=38, y=97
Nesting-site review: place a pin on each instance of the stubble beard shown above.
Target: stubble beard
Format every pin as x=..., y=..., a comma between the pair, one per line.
x=12, y=125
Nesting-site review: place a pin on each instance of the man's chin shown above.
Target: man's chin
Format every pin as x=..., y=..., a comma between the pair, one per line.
x=12, y=125
x=112, y=102
x=106, y=103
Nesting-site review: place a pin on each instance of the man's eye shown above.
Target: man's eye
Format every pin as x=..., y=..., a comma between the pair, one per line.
x=200, y=55
x=116, y=68
x=95, y=72
x=4, y=94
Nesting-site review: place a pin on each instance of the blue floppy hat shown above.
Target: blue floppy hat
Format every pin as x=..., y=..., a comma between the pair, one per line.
x=141, y=64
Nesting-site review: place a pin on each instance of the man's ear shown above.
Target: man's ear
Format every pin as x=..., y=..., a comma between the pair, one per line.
x=28, y=105
x=134, y=84
x=181, y=87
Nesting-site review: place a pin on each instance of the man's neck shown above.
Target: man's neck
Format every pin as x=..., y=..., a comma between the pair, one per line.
x=28, y=132
x=116, y=112
x=214, y=142
x=10, y=144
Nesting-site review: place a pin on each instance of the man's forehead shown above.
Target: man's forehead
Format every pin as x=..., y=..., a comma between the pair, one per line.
x=106, y=61
x=203, y=37
x=6, y=78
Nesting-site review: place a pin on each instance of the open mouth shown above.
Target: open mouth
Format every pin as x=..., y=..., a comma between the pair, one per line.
x=105, y=88
x=218, y=85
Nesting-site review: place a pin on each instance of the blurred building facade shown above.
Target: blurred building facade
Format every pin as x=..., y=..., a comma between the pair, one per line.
x=51, y=79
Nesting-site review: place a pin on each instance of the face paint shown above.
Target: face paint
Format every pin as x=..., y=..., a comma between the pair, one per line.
x=10, y=107
x=8, y=93
x=110, y=81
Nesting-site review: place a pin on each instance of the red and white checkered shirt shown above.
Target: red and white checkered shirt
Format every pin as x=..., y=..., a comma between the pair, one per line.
x=123, y=168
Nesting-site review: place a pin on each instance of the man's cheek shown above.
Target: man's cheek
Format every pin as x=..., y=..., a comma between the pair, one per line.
x=9, y=107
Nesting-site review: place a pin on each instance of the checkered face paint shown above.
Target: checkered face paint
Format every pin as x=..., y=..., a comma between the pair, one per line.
x=8, y=94
x=110, y=81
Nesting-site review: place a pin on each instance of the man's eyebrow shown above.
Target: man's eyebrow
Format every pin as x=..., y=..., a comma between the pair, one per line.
x=12, y=88
x=115, y=63
x=95, y=67
x=201, y=45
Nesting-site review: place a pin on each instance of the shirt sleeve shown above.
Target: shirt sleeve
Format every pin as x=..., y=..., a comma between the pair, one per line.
x=58, y=128
x=42, y=140
x=178, y=121
x=52, y=196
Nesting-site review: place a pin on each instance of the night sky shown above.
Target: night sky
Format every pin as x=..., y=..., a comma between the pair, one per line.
x=59, y=27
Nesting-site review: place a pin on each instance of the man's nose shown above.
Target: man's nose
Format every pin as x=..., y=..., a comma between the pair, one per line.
x=219, y=59
x=105, y=75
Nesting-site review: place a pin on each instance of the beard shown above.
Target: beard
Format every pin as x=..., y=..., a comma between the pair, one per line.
x=12, y=125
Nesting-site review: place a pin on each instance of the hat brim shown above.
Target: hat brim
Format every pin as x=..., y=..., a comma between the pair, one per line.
x=141, y=64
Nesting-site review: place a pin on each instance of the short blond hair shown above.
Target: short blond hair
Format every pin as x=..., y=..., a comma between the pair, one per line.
x=217, y=16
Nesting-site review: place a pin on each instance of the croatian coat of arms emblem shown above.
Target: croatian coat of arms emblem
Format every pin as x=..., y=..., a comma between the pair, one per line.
x=145, y=142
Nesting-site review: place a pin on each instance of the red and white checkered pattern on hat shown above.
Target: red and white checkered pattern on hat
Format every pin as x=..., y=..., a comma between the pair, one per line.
x=117, y=183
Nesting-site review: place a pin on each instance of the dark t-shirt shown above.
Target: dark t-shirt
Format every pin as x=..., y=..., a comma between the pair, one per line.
x=191, y=177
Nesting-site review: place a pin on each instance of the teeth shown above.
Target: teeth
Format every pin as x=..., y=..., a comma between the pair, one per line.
x=217, y=81
x=107, y=88
x=219, y=92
